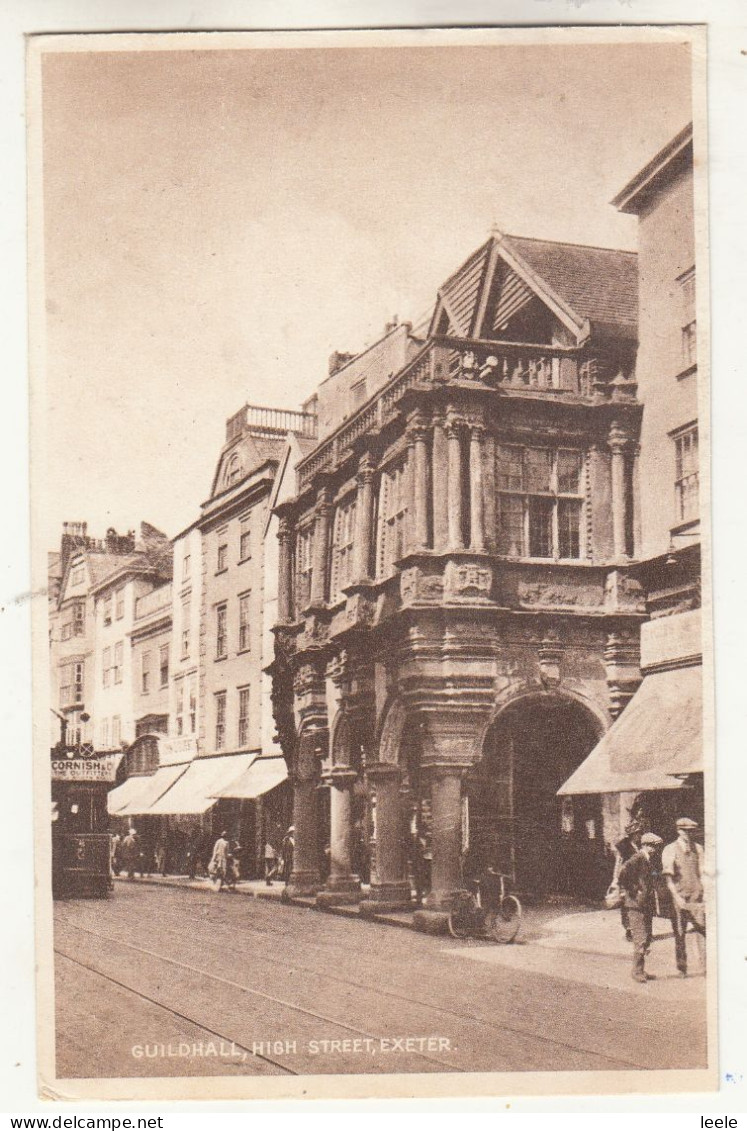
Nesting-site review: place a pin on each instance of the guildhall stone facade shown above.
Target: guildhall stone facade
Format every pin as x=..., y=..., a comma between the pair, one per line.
x=458, y=624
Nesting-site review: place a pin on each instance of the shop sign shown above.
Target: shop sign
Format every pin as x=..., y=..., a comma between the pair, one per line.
x=85, y=769
x=172, y=751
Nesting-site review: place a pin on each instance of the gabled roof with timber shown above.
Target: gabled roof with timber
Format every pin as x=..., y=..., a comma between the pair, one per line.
x=583, y=286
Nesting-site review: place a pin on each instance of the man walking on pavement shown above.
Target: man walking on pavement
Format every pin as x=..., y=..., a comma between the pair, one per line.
x=682, y=866
x=636, y=881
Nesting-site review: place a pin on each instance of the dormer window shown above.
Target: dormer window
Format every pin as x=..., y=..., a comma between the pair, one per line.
x=234, y=469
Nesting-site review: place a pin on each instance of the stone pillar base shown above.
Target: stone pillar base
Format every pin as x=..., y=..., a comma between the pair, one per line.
x=339, y=895
x=369, y=908
x=303, y=884
x=440, y=900
x=395, y=896
x=431, y=922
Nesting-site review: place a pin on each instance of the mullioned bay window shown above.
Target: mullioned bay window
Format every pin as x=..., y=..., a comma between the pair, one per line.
x=343, y=549
x=392, y=525
x=540, y=502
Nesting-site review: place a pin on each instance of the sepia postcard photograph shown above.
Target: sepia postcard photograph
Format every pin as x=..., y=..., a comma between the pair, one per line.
x=371, y=501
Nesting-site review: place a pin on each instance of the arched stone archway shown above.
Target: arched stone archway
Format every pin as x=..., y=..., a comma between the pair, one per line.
x=516, y=821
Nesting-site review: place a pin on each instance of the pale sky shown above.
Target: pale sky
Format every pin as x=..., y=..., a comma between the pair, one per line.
x=218, y=222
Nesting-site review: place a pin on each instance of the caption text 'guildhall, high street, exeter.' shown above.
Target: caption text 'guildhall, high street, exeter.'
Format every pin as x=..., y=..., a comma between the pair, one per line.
x=462, y=583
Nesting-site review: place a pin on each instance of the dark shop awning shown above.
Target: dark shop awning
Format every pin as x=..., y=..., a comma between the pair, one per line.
x=654, y=744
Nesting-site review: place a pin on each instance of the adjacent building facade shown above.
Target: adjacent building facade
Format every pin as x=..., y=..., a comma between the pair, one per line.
x=653, y=756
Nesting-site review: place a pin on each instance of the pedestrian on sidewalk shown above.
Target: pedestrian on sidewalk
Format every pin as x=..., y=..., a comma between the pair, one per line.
x=270, y=863
x=682, y=867
x=131, y=854
x=218, y=866
x=636, y=881
x=289, y=843
x=626, y=847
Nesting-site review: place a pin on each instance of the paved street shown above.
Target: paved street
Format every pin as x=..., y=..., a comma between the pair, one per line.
x=168, y=981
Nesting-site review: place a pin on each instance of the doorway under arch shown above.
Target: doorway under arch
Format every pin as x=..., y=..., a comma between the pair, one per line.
x=515, y=820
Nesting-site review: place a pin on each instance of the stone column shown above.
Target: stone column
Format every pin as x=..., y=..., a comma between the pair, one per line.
x=446, y=835
x=453, y=431
x=420, y=485
x=306, y=878
x=390, y=887
x=319, y=581
x=364, y=518
x=342, y=886
x=618, y=443
x=439, y=480
x=477, y=506
x=285, y=570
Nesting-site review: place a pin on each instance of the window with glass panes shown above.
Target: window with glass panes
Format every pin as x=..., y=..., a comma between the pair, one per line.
x=163, y=665
x=179, y=712
x=145, y=673
x=107, y=610
x=304, y=565
x=117, y=669
x=119, y=605
x=106, y=666
x=245, y=537
x=221, y=561
x=343, y=547
x=186, y=616
x=192, y=707
x=243, y=716
x=689, y=324
x=220, y=720
x=221, y=636
x=244, y=637
x=116, y=731
x=79, y=613
x=71, y=684
x=392, y=533
x=540, y=502
x=686, y=486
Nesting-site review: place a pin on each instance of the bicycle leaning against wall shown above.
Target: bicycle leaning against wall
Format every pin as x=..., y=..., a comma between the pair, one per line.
x=497, y=918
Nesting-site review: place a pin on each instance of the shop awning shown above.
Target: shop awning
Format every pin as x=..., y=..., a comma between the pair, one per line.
x=117, y=798
x=152, y=789
x=263, y=775
x=657, y=737
x=196, y=789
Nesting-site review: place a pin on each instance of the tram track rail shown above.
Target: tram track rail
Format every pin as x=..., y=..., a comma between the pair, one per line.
x=174, y=1012
x=620, y=1061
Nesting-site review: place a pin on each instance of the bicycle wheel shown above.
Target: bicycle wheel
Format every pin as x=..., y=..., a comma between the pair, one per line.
x=507, y=920
x=461, y=916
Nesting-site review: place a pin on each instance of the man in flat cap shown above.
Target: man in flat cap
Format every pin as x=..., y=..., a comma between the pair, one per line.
x=636, y=880
x=682, y=867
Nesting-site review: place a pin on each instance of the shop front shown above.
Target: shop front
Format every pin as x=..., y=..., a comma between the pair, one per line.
x=80, y=836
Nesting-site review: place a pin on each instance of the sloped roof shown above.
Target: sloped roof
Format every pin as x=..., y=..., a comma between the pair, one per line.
x=100, y=566
x=587, y=285
x=598, y=283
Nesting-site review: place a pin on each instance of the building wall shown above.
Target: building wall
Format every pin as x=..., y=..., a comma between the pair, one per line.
x=225, y=585
x=151, y=641
x=374, y=367
x=115, y=701
x=667, y=381
x=185, y=618
x=76, y=647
